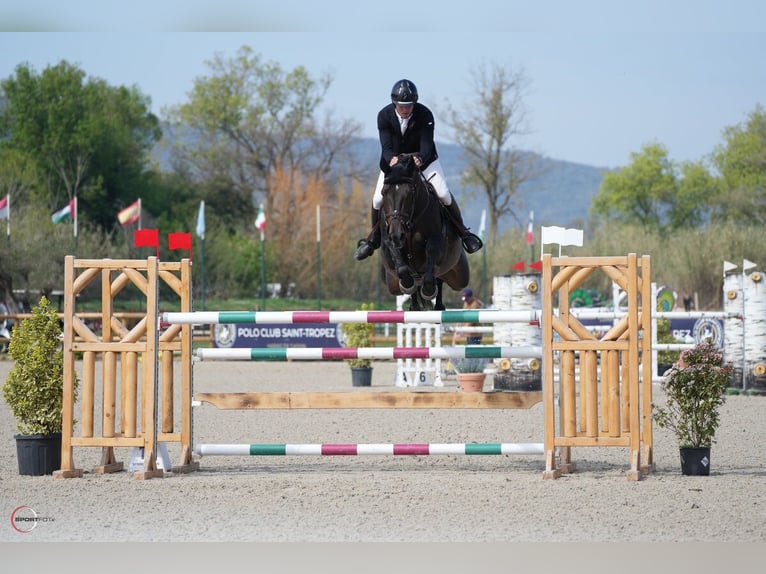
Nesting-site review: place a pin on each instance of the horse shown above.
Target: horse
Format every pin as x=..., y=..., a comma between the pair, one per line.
x=421, y=250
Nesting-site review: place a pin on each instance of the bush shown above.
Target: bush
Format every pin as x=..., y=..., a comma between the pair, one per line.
x=34, y=388
x=359, y=335
x=695, y=388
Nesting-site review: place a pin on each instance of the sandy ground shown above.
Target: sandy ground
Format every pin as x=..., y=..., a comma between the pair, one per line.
x=394, y=499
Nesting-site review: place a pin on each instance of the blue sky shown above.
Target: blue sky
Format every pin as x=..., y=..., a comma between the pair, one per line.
x=605, y=78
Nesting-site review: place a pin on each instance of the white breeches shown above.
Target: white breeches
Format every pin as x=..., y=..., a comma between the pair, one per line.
x=432, y=173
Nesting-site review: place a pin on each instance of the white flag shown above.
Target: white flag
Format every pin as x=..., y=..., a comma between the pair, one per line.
x=562, y=236
x=201, y=220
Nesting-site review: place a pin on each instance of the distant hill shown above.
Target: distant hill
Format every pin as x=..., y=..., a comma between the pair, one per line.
x=561, y=195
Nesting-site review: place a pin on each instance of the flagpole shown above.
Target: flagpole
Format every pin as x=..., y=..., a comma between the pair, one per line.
x=75, y=221
x=263, y=274
x=319, y=264
x=8, y=219
x=482, y=227
x=531, y=236
x=260, y=224
x=201, y=235
x=140, y=213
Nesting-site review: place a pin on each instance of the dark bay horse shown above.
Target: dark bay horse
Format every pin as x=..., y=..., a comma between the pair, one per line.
x=421, y=249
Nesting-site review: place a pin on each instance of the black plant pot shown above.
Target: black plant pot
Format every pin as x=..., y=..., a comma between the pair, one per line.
x=38, y=454
x=695, y=461
x=361, y=376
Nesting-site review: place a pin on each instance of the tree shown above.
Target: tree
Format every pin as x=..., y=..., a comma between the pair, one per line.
x=486, y=129
x=250, y=118
x=18, y=174
x=741, y=161
x=641, y=192
x=88, y=139
x=251, y=132
x=656, y=193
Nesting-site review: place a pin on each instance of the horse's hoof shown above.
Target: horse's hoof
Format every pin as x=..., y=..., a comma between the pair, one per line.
x=406, y=282
x=428, y=294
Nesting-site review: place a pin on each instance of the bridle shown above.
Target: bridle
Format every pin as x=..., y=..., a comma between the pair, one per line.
x=408, y=220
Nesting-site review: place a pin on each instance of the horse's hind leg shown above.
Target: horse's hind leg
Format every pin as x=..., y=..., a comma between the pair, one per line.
x=439, y=303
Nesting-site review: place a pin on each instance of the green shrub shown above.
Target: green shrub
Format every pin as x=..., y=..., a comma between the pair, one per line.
x=34, y=387
x=695, y=388
x=359, y=335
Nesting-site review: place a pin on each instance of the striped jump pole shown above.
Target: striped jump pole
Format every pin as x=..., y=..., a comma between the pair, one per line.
x=368, y=449
x=375, y=353
x=531, y=316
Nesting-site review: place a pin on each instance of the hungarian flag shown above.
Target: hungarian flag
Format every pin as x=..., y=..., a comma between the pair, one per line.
x=65, y=213
x=5, y=208
x=130, y=214
x=260, y=220
x=530, y=229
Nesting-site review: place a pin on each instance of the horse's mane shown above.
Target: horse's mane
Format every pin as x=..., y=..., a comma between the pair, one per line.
x=404, y=171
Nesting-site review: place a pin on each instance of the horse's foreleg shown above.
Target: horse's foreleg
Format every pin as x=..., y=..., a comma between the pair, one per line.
x=429, y=289
x=406, y=280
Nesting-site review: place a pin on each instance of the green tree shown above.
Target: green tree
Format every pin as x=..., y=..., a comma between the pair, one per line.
x=88, y=139
x=18, y=175
x=741, y=162
x=486, y=127
x=640, y=193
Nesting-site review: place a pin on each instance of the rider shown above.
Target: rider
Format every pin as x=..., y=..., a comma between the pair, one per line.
x=405, y=126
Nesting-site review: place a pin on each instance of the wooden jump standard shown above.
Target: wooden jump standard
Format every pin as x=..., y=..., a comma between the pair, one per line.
x=609, y=394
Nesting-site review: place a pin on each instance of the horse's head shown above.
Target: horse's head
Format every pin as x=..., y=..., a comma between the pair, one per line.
x=398, y=209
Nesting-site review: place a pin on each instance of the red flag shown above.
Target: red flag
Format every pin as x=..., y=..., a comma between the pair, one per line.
x=519, y=266
x=537, y=265
x=146, y=238
x=179, y=241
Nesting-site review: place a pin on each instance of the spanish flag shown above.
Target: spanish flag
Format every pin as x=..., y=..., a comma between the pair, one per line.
x=130, y=214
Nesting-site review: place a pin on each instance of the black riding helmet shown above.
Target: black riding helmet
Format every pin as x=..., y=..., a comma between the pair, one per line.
x=404, y=92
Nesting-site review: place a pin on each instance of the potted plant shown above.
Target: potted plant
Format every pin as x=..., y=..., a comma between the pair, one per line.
x=359, y=335
x=470, y=373
x=695, y=389
x=34, y=390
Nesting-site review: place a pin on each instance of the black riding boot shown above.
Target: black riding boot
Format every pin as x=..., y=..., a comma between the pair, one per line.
x=471, y=241
x=367, y=246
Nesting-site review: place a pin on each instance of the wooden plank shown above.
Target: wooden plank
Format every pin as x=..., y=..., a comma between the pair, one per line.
x=373, y=400
x=104, y=346
x=567, y=261
x=592, y=441
x=108, y=441
x=110, y=263
x=622, y=345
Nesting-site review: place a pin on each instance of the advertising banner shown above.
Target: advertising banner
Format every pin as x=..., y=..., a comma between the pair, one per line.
x=310, y=335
